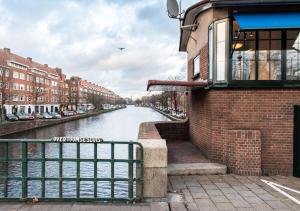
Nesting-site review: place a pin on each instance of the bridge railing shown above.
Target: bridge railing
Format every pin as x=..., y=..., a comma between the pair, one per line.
x=98, y=172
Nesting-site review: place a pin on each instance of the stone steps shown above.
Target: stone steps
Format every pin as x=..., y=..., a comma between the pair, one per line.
x=196, y=169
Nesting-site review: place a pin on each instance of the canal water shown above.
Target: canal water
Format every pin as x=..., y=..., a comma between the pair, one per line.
x=119, y=125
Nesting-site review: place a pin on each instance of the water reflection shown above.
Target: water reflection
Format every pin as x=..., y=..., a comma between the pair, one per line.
x=121, y=125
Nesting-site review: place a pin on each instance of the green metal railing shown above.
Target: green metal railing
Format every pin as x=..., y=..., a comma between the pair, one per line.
x=134, y=179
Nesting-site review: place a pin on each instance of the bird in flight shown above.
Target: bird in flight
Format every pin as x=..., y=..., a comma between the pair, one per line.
x=121, y=49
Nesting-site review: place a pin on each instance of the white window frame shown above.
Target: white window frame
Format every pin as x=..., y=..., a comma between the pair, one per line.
x=216, y=76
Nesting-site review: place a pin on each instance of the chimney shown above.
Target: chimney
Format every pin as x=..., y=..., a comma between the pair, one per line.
x=46, y=65
x=29, y=59
x=6, y=50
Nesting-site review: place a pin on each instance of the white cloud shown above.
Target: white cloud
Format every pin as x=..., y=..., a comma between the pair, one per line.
x=82, y=37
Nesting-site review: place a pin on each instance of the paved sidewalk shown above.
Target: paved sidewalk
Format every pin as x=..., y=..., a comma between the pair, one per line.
x=155, y=206
x=232, y=192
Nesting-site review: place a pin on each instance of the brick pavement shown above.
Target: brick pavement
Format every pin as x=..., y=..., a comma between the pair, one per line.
x=155, y=206
x=211, y=192
x=232, y=192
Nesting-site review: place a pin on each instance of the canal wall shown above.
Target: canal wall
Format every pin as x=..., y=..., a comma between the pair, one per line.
x=154, y=137
x=167, y=115
x=172, y=131
x=21, y=126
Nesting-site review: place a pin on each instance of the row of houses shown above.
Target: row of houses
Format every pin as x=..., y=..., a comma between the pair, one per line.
x=28, y=86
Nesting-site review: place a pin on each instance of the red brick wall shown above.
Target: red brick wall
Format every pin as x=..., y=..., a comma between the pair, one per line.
x=215, y=112
x=171, y=131
x=243, y=152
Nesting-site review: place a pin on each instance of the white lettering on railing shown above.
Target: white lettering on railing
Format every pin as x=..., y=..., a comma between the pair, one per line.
x=76, y=140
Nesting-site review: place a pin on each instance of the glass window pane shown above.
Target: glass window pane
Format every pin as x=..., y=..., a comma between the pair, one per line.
x=196, y=65
x=243, y=61
x=221, y=51
x=275, y=34
x=263, y=65
x=292, y=34
x=210, y=51
x=293, y=58
x=264, y=35
x=221, y=28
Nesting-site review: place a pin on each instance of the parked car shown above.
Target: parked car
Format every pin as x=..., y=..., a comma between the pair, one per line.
x=47, y=116
x=24, y=116
x=69, y=113
x=180, y=115
x=80, y=111
x=73, y=113
x=11, y=117
x=66, y=113
x=55, y=115
x=38, y=116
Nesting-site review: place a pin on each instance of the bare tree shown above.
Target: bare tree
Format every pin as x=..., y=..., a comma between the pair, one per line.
x=5, y=78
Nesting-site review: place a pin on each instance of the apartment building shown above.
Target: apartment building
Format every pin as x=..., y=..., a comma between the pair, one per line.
x=28, y=86
x=86, y=95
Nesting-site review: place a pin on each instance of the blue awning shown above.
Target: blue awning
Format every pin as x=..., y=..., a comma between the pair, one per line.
x=286, y=20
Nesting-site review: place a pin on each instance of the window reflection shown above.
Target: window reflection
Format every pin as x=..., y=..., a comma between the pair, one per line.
x=243, y=58
x=269, y=55
x=293, y=55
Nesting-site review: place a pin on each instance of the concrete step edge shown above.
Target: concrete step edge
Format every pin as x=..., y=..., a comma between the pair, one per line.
x=196, y=169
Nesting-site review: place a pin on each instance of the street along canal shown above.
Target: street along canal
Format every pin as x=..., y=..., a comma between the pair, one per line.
x=120, y=125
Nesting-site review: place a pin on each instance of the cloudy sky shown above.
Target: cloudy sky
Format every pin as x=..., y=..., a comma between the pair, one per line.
x=82, y=37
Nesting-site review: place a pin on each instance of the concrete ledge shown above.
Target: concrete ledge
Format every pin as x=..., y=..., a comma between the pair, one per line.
x=177, y=130
x=155, y=153
x=155, y=168
x=196, y=169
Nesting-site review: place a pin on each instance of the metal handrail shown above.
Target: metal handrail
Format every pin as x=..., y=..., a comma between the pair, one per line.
x=24, y=178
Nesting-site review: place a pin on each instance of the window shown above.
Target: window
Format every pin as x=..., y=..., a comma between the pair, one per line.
x=15, y=75
x=221, y=28
x=15, y=98
x=265, y=55
x=293, y=55
x=269, y=55
x=243, y=57
x=196, y=66
x=7, y=73
x=22, y=76
x=210, y=52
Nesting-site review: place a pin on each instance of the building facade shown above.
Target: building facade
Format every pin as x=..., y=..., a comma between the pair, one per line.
x=249, y=55
x=27, y=86
x=243, y=80
x=86, y=95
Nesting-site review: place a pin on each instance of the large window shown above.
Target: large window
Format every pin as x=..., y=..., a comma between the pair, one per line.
x=196, y=66
x=243, y=58
x=265, y=55
x=293, y=55
x=221, y=28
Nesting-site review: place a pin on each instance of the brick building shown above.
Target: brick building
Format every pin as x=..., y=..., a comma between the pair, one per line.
x=243, y=83
x=28, y=86
x=86, y=95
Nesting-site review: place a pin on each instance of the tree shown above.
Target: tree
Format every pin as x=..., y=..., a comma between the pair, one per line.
x=5, y=78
